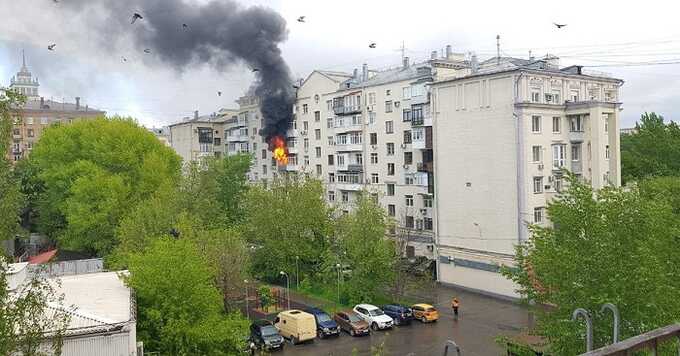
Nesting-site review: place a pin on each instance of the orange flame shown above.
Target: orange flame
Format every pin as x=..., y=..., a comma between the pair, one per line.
x=279, y=151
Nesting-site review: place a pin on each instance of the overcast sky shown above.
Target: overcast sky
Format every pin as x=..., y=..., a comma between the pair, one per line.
x=612, y=36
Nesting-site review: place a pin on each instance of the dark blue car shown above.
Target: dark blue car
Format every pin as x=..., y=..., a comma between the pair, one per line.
x=401, y=314
x=325, y=326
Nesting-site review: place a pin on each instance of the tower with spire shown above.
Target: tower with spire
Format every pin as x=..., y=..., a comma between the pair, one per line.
x=24, y=83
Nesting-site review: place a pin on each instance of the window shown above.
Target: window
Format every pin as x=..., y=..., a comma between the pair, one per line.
x=371, y=117
x=535, y=123
x=16, y=132
x=536, y=96
x=538, y=184
x=317, y=116
x=341, y=160
x=427, y=201
x=389, y=127
x=390, y=189
x=374, y=197
x=305, y=108
x=374, y=178
x=317, y=134
x=29, y=133
x=331, y=159
x=331, y=141
x=374, y=158
x=44, y=120
x=264, y=154
x=318, y=152
x=388, y=92
x=408, y=180
x=391, y=210
x=331, y=177
x=306, y=144
x=606, y=122
x=536, y=153
x=408, y=157
x=331, y=195
x=371, y=98
x=204, y=147
x=305, y=125
x=427, y=223
x=556, y=96
x=359, y=158
x=406, y=92
x=556, y=124
x=264, y=169
x=574, y=95
x=390, y=149
x=557, y=183
x=345, y=197
x=306, y=160
x=606, y=152
x=406, y=115
x=558, y=155
x=329, y=123
x=355, y=138
x=417, y=114
x=538, y=215
x=388, y=106
x=318, y=170
x=407, y=137
x=576, y=152
x=390, y=169
x=374, y=138
x=576, y=123
x=29, y=121
x=329, y=105
x=409, y=200
x=409, y=222
x=341, y=139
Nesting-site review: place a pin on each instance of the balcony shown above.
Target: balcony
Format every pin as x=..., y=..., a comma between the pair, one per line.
x=650, y=340
x=420, y=99
x=347, y=110
x=426, y=167
x=576, y=136
x=237, y=138
x=293, y=150
x=291, y=167
x=349, y=186
x=349, y=147
x=292, y=133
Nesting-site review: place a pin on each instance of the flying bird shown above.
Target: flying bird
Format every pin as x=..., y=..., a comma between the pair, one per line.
x=51, y=47
x=146, y=50
x=301, y=19
x=255, y=70
x=558, y=25
x=123, y=58
x=185, y=26
x=136, y=17
x=219, y=93
x=372, y=45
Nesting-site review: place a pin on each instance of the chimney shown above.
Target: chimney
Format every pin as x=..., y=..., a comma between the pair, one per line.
x=77, y=103
x=448, y=52
x=42, y=102
x=404, y=62
x=474, y=63
x=196, y=115
x=364, y=72
x=433, y=55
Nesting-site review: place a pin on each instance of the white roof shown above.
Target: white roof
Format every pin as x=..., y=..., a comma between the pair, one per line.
x=16, y=267
x=367, y=306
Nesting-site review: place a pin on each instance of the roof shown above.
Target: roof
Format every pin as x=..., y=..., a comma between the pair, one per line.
x=58, y=255
x=366, y=306
x=335, y=76
x=51, y=105
x=42, y=258
x=413, y=71
x=423, y=305
x=16, y=267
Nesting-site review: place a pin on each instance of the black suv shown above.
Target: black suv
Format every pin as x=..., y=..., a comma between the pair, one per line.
x=265, y=335
x=401, y=314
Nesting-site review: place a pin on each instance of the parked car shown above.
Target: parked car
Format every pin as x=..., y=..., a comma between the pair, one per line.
x=425, y=313
x=401, y=314
x=296, y=325
x=325, y=326
x=352, y=323
x=265, y=335
x=374, y=316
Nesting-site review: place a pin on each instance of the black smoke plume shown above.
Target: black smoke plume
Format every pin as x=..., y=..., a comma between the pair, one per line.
x=219, y=33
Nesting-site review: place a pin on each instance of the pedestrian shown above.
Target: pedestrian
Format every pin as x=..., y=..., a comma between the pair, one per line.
x=455, y=304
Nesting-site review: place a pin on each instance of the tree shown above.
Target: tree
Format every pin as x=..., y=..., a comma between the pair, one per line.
x=11, y=198
x=614, y=245
x=180, y=308
x=266, y=298
x=31, y=317
x=366, y=252
x=89, y=173
x=651, y=152
x=287, y=219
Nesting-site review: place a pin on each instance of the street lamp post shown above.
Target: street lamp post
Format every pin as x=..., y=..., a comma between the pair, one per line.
x=287, y=286
x=338, y=301
x=297, y=273
x=247, y=310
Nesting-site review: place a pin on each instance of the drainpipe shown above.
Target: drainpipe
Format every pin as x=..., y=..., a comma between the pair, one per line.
x=434, y=112
x=520, y=154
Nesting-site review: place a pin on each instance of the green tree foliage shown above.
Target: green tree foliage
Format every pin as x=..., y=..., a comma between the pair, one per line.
x=89, y=173
x=180, y=308
x=614, y=245
x=289, y=218
x=11, y=198
x=365, y=252
x=31, y=317
x=651, y=152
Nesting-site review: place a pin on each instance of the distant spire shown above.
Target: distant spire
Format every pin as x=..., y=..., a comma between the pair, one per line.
x=23, y=58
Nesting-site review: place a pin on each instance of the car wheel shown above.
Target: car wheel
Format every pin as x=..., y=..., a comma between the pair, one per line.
x=293, y=340
x=351, y=332
x=320, y=334
x=374, y=326
x=423, y=319
x=396, y=322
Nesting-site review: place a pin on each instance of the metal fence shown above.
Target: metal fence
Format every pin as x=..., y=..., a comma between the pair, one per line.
x=67, y=268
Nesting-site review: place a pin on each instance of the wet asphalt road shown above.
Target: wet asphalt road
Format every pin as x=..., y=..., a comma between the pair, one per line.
x=480, y=321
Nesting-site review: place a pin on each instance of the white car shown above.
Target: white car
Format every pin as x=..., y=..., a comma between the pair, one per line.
x=374, y=316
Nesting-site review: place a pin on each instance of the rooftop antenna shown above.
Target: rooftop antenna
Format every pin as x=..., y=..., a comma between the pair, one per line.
x=402, y=49
x=530, y=56
x=498, y=49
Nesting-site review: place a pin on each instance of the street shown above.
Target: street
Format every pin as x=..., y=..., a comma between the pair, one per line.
x=481, y=320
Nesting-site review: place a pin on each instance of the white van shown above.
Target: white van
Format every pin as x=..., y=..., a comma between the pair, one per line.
x=296, y=325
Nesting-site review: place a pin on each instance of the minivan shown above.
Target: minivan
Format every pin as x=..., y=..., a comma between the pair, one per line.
x=296, y=325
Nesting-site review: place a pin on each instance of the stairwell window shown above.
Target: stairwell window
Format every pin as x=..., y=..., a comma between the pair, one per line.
x=390, y=189
x=374, y=178
x=538, y=215
x=606, y=152
x=576, y=152
x=538, y=185
x=390, y=169
x=559, y=155
x=536, y=96
x=536, y=153
x=373, y=138
x=536, y=124
x=409, y=200
x=374, y=158
x=556, y=124
x=389, y=127
x=331, y=195
x=388, y=106
x=390, y=149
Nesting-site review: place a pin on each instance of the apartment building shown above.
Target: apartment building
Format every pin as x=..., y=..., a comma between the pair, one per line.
x=200, y=136
x=37, y=113
x=503, y=134
x=372, y=131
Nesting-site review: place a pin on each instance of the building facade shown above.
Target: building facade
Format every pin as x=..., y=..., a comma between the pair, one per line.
x=200, y=136
x=503, y=135
x=37, y=113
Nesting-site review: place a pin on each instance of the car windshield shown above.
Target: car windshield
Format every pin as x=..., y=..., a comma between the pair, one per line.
x=269, y=331
x=353, y=318
x=430, y=309
x=376, y=312
x=322, y=317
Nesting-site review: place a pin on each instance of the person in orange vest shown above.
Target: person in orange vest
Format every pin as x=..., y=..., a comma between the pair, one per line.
x=455, y=304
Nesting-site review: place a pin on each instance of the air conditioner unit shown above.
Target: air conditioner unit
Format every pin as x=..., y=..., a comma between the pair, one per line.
x=423, y=212
x=375, y=147
x=430, y=248
x=303, y=133
x=540, y=167
x=403, y=145
x=547, y=187
x=406, y=166
x=396, y=104
x=550, y=179
x=369, y=108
